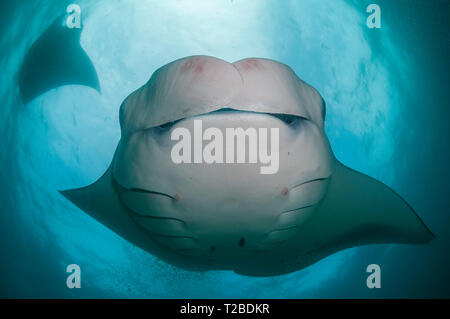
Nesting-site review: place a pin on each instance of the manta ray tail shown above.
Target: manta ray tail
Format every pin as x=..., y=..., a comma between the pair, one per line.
x=56, y=58
x=362, y=210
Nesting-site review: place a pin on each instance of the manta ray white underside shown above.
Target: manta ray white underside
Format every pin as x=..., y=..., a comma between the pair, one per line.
x=217, y=216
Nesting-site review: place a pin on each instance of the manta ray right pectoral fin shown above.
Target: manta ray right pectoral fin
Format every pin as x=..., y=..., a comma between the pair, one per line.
x=361, y=210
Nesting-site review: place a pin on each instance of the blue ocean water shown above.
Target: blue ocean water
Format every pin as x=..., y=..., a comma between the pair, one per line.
x=387, y=94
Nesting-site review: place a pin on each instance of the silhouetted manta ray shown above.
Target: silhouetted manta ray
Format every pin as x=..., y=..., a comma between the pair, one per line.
x=229, y=216
x=56, y=58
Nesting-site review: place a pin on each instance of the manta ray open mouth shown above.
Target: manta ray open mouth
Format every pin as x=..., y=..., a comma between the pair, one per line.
x=276, y=210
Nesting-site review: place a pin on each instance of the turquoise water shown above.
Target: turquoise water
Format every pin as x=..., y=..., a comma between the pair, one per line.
x=387, y=95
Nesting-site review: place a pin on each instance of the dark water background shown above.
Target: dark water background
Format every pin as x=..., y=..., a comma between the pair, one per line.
x=387, y=94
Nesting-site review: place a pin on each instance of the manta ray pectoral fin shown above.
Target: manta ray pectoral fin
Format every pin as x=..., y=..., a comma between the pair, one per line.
x=100, y=201
x=56, y=58
x=362, y=210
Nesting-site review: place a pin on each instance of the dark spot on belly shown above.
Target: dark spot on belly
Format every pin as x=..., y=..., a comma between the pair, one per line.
x=212, y=248
x=241, y=242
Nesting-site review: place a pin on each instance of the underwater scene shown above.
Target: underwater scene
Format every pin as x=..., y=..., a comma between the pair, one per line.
x=343, y=192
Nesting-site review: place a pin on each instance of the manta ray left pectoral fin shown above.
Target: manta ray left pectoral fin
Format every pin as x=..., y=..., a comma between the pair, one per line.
x=100, y=201
x=56, y=58
x=361, y=210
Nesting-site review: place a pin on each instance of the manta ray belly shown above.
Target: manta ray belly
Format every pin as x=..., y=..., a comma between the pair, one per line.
x=282, y=204
x=222, y=211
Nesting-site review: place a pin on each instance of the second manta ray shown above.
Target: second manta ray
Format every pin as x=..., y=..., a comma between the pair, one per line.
x=204, y=216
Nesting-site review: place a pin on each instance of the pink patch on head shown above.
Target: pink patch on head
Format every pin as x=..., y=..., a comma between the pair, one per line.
x=176, y=197
x=199, y=66
x=187, y=65
x=252, y=64
x=195, y=64
x=284, y=191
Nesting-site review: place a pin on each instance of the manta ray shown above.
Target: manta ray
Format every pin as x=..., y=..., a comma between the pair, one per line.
x=214, y=216
x=55, y=59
